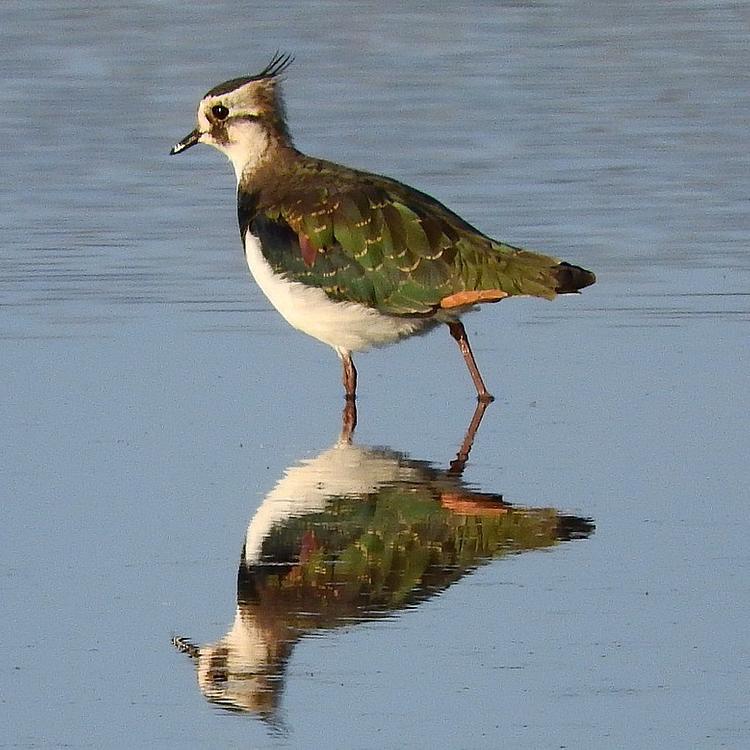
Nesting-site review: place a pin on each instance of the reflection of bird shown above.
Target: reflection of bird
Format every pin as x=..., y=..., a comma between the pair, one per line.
x=353, y=534
x=353, y=259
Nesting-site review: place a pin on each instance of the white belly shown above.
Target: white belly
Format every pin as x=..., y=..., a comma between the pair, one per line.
x=346, y=326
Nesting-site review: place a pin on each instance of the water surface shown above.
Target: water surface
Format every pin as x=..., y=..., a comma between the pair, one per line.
x=153, y=405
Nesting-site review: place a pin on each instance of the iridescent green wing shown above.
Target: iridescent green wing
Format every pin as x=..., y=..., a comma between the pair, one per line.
x=371, y=240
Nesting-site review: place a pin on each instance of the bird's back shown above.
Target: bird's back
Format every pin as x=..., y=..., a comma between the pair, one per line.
x=366, y=238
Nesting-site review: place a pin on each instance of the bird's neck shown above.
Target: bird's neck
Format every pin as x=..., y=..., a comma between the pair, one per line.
x=266, y=168
x=251, y=147
x=261, y=183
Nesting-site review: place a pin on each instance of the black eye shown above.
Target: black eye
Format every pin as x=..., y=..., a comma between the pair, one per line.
x=220, y=112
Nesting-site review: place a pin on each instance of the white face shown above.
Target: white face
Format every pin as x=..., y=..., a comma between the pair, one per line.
x=233, y=124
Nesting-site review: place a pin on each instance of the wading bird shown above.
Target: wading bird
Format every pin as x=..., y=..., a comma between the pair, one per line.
x=356, y=260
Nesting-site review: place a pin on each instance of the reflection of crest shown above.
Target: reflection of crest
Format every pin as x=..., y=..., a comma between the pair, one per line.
x=353, y=534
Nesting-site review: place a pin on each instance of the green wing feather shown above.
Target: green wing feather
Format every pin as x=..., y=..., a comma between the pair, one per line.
x=385, y=245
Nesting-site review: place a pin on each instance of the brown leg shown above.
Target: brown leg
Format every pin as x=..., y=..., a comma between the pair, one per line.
x=459, y=334
x=350, y=376
x=348, y=420
x=459, y=462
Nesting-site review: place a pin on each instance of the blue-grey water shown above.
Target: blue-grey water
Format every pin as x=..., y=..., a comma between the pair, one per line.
x=169, y=464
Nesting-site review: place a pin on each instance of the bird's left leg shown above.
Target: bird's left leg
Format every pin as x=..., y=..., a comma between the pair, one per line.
x=459, y=334
x=350, y=375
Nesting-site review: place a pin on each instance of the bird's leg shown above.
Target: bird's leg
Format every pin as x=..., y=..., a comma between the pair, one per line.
x=348, y=420
x=459, y=334
x=459, y=462
x=350, y=376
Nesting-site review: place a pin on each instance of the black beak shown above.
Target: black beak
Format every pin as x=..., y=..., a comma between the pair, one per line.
x=189, y=140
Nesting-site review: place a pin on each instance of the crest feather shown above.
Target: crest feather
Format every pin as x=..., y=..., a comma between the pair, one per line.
x=276, y=66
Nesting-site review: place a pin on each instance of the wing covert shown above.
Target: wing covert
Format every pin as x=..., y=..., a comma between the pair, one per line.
x=386, y=246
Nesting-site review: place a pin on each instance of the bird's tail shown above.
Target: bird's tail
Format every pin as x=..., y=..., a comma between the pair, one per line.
x=512, y=271
x=570, y=279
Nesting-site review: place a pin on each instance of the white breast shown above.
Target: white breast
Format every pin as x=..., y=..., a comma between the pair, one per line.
x=346, y=326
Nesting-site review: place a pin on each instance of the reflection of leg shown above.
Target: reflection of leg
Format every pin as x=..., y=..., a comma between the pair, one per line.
x=348, y=420
x=459, y=462
x=459, y=334
x=350, y=376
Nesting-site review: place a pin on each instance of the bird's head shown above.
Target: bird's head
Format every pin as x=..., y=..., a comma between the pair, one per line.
x=243, y=118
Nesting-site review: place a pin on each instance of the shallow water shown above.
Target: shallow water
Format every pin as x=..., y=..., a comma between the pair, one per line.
x=160, y=418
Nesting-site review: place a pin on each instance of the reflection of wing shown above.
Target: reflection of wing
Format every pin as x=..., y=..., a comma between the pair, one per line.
x=343, y=470
x=353, y=534
x=374, y=531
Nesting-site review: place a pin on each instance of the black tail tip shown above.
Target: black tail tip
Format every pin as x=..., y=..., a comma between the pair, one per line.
x=571, y=279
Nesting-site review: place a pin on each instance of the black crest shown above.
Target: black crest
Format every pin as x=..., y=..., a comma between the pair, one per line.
x=276, y=66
